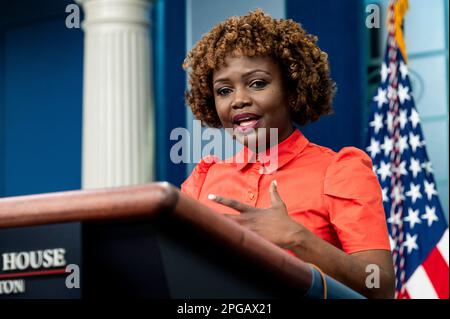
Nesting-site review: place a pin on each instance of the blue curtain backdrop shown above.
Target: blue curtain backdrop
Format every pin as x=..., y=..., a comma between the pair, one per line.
x=339, y=26
x=169, y=49
x=40, y=123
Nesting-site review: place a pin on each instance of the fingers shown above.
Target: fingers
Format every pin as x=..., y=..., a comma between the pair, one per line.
x=275, y=198
x=240, y=207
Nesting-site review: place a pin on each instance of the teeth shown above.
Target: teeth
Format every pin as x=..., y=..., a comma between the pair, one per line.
x=247, y=123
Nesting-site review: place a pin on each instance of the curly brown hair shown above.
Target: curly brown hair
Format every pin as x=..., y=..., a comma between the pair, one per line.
x=304, y=66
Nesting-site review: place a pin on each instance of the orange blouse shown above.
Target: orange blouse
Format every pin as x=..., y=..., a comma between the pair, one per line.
x=335, y=195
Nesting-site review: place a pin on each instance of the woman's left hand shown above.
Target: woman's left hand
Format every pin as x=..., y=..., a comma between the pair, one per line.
x=273, y=223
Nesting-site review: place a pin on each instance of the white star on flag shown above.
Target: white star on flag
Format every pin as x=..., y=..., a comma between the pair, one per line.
x=384, y=170
x=374, y=147
x=392, y=93
x=377, y=122
x=401, y=169
x=427, y=167
x=415, y=167
x=384, y=191
x=414, y=118
x=410, y=243
x=393, y=68
x=397, y=193
x=395, y=219
x=403, y=119
x=403, y=144
x=403, y=94
x=414, y=192
x=413, y=217
x=393, y=243
x=429, y=189
x=380, y=98
x=403, y=70
x=387, y=146
x=414, y=141
x=390, y=122
x=384, y=72
x=430, y=215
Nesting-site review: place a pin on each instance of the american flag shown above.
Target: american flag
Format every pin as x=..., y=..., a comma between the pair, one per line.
x=416, y=223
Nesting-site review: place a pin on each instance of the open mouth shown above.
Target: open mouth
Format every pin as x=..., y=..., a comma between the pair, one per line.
x=246, y=121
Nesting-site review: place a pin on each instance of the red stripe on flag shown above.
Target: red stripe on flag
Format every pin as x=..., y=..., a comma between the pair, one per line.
x=437, y=270
x=405, y=295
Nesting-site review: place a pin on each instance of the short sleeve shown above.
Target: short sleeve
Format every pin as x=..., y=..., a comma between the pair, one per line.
x=193, y=184
x=353, y=197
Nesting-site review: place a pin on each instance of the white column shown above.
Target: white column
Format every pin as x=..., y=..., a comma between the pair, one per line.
x=117, y=97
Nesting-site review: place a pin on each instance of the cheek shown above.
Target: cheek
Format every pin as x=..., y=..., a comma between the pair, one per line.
x=221, y=110
x=222, y=120
x=277, y=114
x=274, y=104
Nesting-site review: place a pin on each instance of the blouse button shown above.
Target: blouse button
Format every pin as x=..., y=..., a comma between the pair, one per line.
x=251, y=195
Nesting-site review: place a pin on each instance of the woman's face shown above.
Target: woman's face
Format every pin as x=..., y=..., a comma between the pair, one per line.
x=250, y=96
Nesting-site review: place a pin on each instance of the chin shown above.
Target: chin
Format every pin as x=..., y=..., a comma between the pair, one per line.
x=249, y=140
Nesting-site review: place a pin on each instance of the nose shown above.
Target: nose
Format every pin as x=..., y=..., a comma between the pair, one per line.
x=241, y=99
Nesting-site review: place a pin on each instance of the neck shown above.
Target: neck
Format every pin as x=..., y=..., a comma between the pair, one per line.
x=271, y=142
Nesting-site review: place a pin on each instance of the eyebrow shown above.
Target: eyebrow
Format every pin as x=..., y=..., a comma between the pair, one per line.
x=247, y=74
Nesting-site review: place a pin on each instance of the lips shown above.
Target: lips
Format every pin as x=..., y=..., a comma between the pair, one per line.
x=245, y=121
x=240, y=119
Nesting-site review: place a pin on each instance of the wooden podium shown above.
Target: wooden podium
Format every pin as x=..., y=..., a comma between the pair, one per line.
x=152, y=241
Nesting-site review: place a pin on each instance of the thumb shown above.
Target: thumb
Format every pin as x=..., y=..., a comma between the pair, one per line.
x=274, y=196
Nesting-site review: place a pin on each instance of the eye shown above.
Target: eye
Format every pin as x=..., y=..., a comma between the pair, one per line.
x=258, y=84
x=223, y=91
